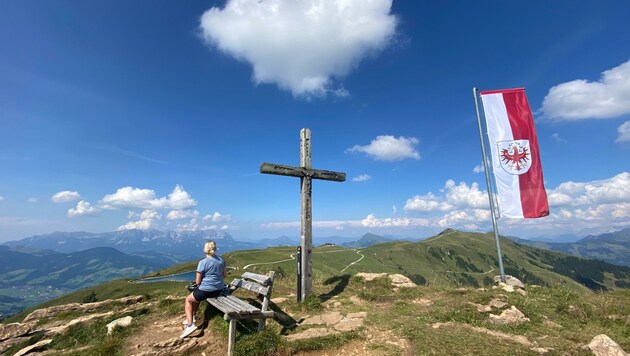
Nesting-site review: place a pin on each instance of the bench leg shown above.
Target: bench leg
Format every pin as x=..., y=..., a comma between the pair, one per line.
x=231, y=337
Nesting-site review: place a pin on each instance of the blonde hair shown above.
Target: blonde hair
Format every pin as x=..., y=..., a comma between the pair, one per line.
x=210, y=248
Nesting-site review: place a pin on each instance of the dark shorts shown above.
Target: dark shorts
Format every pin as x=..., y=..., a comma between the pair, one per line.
x=200, y=295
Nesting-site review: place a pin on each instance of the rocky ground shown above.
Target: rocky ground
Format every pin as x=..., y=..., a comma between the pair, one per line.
x=157, y=332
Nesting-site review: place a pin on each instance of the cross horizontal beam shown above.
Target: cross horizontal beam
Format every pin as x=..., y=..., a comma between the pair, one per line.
x=291, y=171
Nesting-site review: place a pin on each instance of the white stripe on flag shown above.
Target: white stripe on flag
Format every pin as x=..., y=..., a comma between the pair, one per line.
x=499, y=129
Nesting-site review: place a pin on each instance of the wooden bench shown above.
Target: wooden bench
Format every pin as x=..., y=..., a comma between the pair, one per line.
x=235, y=309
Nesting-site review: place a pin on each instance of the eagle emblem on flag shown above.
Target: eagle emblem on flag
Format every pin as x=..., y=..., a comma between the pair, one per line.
x=515, y=156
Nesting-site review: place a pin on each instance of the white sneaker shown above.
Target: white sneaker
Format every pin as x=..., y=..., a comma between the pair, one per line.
x=189, y=330
x=185, y=322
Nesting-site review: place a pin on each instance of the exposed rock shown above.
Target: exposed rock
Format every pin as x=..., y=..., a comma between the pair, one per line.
x=481, y=308
x=370, y=276
x=33, y=347
x=9, y=331
x=423, y=302
x=311, y=333
x=522, y=292
x=8, y=343
x=552, y=324
x=509, y=316
x=313, y=320
x=510, y=281
x=122, y=323
x=497, y=303
x=84, y=307
x=279, y=300
x=542, y=350
x=505, y=287
x=357, y=315
x=63, y=327
x=508, y=337
x=602, y=345
x=349, y=324
x=400, y=281
x=331, y=318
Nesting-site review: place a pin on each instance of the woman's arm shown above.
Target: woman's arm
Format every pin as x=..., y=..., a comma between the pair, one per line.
x=224, y=272
x=198, y=278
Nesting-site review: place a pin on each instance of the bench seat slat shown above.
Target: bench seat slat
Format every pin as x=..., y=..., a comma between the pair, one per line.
x=222, y=306
x=244, y=306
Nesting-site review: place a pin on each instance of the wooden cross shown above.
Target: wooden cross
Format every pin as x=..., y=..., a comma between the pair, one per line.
x=306, y=174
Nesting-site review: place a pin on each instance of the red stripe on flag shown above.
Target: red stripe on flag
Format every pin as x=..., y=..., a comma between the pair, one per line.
x=533, y=195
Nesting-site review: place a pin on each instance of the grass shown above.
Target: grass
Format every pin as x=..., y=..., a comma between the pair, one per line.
x=561, y=318
x=564, y=315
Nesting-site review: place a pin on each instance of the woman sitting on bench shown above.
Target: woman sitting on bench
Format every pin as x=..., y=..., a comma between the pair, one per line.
x=211, y=272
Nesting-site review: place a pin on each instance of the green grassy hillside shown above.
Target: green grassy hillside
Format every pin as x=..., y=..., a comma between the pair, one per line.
x=565, y=314
x=452, y=258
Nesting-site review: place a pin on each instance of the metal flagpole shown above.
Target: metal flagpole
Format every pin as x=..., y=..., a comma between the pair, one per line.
x=490, y=192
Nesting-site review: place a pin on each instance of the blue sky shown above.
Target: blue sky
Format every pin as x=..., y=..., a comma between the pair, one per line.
x=155, y=114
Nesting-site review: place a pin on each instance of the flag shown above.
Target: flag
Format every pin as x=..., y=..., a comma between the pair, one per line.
x=515, y=155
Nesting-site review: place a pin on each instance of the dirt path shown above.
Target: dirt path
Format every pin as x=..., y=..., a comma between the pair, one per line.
x=159, y=335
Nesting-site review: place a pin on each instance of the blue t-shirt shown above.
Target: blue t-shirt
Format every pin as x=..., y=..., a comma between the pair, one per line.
x=211, y=269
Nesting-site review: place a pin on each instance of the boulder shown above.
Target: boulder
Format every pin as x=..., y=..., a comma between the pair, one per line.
x=509, y=316
x=370, y=276
x=33, y=347
x=510, y=281
x=121, y=323
x=9, y=331
x=400, y=281
x=602, y=345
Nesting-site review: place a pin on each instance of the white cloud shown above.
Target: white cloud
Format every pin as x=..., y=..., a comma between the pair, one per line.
x=32, y=200
x=426, y=203
x=217, y=217
x=300, y=45
x=557, y=138
x=623, y=132
x=580, y=99
x=65, y=196
x=150, y=215
x=464, y=196
x=148, y=211
x=605, y=191
x=148, y=220
x=373, y=222
x=478, y=168
x=137, y=225
x=389, y=148
x=129, y=197
x=578, y=208
x=1, y=198
x=456, y=196
x=181, y=214
x=361, y=178
x=83, y=208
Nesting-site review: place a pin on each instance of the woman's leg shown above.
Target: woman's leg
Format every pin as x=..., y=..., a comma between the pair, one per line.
x=190, y=306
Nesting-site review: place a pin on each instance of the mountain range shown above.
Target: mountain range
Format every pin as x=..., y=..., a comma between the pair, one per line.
x=611, y=247
x=41, y=267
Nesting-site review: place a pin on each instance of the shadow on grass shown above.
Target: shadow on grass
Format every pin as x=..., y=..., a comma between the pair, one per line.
x=342, y=283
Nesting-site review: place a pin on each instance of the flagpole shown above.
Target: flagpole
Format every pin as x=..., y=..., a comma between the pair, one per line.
x=490, y=192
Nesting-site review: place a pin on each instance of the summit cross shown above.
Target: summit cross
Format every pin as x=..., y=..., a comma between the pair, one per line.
x=306, y=174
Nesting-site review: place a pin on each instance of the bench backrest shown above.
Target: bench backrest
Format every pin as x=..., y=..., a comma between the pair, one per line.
x=257, y=283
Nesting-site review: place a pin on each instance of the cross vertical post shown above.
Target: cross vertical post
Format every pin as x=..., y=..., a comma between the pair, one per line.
x=306, y=229
x=306, y=174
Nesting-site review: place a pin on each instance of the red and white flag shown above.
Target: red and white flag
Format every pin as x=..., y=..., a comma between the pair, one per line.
x=515, y=155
